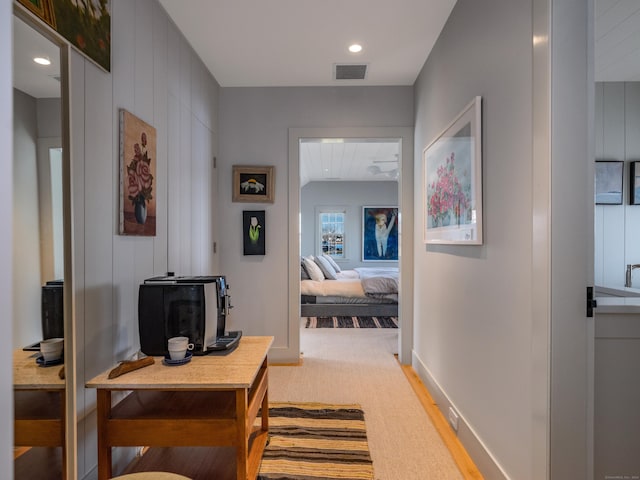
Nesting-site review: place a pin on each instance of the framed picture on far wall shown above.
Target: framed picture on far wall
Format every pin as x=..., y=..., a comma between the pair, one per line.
x=253, y=184
x=634, y=183
x=379, y=234
x=253, y=236
x=609, y=174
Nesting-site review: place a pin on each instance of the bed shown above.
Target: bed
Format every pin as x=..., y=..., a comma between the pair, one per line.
x=363, y=291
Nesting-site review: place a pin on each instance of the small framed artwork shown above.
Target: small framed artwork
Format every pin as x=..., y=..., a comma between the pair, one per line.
x=253, y=228
x=609, y=178
x=137, y=176
x=452, y=175
x=634, y=183
x=253, y=184
x=379, y=234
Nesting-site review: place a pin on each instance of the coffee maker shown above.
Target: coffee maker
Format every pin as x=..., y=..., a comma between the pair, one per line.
x=184, y=306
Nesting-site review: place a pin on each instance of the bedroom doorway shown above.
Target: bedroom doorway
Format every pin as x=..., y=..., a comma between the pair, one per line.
x=346, y=174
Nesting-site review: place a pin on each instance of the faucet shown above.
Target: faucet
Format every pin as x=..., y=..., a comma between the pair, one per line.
x=630, y=268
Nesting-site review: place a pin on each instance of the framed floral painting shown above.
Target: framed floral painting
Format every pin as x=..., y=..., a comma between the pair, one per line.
x=137, y=176
x=452, y=175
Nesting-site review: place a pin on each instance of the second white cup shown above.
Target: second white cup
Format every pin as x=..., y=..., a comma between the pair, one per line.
x=178, y=347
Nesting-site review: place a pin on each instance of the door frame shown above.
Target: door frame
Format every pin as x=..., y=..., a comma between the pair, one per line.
x=406, y=226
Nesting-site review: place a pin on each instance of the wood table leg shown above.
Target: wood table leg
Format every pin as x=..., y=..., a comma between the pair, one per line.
x=242, y=440
x=104, y=449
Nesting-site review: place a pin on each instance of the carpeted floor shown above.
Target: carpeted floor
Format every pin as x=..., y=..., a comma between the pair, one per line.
x=351, y=322
x=310, y=441
x=357, y=366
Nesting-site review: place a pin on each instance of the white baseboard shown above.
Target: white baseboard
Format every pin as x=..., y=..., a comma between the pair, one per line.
x=485, y=462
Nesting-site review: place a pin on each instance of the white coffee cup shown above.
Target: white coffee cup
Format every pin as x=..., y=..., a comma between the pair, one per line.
x=178, y=347
x=51, y=349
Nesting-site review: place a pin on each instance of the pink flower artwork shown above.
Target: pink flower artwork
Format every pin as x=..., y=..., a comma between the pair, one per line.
x=448, y=199
x=137, y=152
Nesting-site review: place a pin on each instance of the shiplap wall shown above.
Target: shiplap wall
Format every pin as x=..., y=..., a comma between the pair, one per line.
x=156, y=76
x=617, y=227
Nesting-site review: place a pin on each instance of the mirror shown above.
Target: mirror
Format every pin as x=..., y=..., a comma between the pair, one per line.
x=39, y=263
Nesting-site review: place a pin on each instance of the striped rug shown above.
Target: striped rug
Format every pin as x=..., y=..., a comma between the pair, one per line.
x=309, y=441
x=351, y=322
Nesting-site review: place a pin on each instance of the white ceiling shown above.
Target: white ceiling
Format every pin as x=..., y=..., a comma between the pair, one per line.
x=258, y=43
x=617, y=40
x=39, y=81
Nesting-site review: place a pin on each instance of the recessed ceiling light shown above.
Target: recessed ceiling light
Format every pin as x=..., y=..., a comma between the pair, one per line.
x=42, y=61
x=355, y=48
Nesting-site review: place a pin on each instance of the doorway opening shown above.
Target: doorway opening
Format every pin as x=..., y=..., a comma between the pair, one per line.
x=339, y=180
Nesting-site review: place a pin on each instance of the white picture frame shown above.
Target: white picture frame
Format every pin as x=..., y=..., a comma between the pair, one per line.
x=452, y=181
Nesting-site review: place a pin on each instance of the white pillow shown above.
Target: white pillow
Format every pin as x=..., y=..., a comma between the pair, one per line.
x=333, y=263
x=327, y=270
x=313, y=269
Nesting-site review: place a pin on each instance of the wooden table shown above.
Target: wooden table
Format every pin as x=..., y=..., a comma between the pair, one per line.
x=39, y=403
x=211, y=401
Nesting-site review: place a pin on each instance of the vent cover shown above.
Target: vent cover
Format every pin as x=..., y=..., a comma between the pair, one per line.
x=350, y=72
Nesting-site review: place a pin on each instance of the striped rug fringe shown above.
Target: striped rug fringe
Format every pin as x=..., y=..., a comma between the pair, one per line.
x=313, y=441
x=351, y=322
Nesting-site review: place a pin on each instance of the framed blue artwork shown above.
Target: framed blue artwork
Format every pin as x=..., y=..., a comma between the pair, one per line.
x=379, y=234
x=609, y=175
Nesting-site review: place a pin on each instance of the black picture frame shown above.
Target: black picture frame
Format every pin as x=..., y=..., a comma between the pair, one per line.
x=634, y=183
x=253, y=232
x=608, y=182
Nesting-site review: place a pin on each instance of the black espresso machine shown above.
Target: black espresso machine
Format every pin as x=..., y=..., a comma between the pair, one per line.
x=185, y=306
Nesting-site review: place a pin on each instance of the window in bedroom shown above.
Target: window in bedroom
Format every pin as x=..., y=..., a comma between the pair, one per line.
x=332, y=233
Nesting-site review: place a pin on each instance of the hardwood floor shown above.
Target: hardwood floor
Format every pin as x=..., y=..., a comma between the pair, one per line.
x=460, y=456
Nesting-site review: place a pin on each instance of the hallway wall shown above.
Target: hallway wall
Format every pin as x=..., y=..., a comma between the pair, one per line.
x=472, y=308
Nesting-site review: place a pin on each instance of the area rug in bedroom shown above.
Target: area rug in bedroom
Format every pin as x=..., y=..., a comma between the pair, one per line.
x=309, y=441
x=351, y=322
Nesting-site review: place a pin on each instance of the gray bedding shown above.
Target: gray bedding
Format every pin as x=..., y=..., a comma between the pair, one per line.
x=381, y=282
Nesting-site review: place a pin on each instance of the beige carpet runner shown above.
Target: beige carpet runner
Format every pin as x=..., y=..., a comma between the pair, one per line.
x=309, y=441
x=351, y=322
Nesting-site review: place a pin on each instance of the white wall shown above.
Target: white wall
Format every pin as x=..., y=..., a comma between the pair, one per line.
x=617, y=120
x=254, y=131
x=156, y=76
x=26, y=222
x=351, y=196
x=482, y=333
x=6, y=240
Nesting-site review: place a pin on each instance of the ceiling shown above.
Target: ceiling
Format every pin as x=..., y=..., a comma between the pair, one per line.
x=39, y=81
x=281, y=43
x=617, y=40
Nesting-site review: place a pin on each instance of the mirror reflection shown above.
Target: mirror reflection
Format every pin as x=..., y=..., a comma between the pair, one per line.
x=38, y=256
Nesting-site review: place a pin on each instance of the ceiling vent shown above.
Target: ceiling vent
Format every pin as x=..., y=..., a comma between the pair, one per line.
x=350, y=71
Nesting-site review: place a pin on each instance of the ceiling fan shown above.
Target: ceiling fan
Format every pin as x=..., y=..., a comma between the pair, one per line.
x=376, y=170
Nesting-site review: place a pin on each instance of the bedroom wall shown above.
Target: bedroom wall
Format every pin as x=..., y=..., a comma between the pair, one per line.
x=254, y=128
x=351, y=196
x=484, y=315
x=156, y=76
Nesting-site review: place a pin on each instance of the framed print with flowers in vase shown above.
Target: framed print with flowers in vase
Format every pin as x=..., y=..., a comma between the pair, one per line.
x=452, y=175
x=137, y=176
